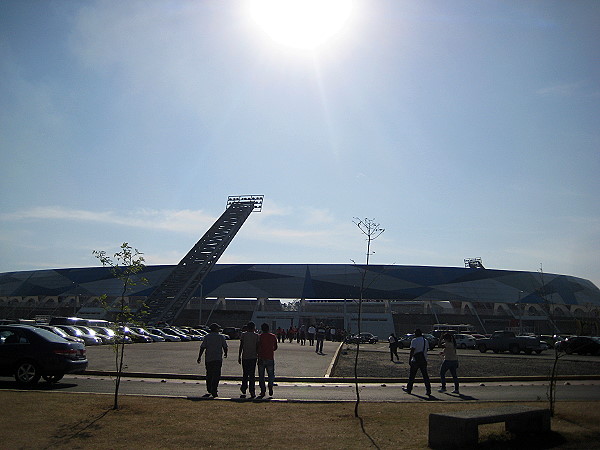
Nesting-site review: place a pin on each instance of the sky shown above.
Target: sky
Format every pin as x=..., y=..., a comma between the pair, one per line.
x=464, y=129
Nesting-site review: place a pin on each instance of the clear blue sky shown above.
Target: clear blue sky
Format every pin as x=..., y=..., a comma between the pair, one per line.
x=466, y=129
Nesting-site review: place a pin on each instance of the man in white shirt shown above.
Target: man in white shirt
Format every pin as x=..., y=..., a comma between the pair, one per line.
x=215, y=345
x=311, y=335
x=418, y=361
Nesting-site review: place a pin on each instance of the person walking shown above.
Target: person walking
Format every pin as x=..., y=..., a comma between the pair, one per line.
x=267, y=344
x=393, y=341
x=418, y=361
x=247, y=357
x=450, y=363
x=311, y=335
x=215, y=346
x=320, y=334
x=302, y=335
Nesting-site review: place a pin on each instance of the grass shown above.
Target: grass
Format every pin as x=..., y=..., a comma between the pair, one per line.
x=70, y=421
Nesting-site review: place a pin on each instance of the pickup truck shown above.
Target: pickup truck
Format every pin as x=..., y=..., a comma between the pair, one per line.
x=501, y=341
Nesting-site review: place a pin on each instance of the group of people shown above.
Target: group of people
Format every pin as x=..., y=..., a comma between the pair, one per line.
x=259, y=349
x=254, y=349
x=302, y=334
x=419, y=347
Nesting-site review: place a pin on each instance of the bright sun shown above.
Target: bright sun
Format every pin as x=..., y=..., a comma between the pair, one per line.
x=303, y=24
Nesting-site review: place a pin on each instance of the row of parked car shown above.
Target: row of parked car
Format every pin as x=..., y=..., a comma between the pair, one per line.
x=98, y=335
x=31, y=352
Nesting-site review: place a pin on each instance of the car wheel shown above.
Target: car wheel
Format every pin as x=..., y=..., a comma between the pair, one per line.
x=538, y=351
x=463, y=346
x=27, y=373
x=514, y=349
x=482, y=348
x=53, y=378
x=568, y=350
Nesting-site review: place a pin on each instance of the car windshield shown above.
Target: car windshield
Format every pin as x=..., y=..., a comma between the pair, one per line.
x=58, y=331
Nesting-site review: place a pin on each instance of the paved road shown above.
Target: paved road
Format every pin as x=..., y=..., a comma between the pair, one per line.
x=194, y=389
x=293, y=362
x=292, y=359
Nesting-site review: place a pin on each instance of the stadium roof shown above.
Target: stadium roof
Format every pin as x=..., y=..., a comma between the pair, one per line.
x=324, y=281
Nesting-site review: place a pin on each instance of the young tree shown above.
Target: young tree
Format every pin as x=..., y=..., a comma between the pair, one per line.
x=126, y=265
x=372, y=230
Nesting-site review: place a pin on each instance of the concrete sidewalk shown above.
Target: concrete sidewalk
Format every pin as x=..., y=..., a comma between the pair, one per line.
x=291, y=359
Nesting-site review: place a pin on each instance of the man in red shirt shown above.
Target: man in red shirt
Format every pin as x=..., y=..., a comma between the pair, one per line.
x=267, y=344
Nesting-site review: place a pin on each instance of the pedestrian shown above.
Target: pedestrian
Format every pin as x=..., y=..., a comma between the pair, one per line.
x=267, y=344
x=320, y=335
x=450, y=363
x=393, y=340
x=247, y=357
x=215, y=345
x=418, y=361
x=311, y=335
x=303, y=335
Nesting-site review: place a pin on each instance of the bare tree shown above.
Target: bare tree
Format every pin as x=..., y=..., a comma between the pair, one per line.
x=372, y=230
x=126, y=266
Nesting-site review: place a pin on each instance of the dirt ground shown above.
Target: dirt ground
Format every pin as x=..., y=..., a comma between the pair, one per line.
x=374, y=361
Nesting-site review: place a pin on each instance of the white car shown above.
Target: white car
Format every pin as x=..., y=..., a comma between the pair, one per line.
x=465, y=341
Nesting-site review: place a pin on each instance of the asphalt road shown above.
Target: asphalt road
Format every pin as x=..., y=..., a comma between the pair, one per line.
x=325, y=392
x=170, y=369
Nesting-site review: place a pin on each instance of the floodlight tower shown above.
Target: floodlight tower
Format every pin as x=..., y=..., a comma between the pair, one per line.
x=170, y=297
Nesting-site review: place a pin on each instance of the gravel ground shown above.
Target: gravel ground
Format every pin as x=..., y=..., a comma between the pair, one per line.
x=374, y=361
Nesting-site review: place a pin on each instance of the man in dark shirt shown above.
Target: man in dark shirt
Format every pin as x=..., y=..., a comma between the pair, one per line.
x=321, y=332
x=247, y=358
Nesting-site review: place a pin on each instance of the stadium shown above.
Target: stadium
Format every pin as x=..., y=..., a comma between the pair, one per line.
x=392, y=298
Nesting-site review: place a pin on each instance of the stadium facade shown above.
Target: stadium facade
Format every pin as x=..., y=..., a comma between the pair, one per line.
x=395, y=298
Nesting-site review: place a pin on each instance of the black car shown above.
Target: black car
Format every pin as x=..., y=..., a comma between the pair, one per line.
x=580, y=344
x=29, y=353
x=362, y=338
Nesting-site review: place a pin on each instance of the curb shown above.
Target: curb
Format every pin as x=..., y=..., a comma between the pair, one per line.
x=342, y=380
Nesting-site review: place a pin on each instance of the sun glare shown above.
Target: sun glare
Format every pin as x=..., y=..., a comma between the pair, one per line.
x=302, y=24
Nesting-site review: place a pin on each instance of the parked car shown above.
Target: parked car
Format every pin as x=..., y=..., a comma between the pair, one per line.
x=405, y=340
x=61, y=333
x=119, y=338
x=232, y=332
x=478, y=336
x=432, y=340
x=29, y=353
x=175, y=332
x=363, y=338
x=465, y=341
x=581, y=345
x=144, y=332
x=193, y=334
x=199, y=331
x=74, y=331
x=501, y=341
x=135, y=337
x=165, y=335
x=106, y=339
